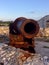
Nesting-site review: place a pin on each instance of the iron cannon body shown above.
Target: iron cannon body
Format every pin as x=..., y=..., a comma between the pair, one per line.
x=22, y=33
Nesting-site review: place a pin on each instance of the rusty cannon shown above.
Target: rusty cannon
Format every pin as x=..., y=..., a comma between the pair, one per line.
x=22, y=33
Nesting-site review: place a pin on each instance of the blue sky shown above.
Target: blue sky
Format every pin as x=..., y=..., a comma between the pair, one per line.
x=35, y=9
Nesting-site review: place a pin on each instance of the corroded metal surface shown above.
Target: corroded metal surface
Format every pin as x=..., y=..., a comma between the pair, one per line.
x=22, y=33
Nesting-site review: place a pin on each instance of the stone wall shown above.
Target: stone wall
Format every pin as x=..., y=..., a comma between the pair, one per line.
x=4, y=30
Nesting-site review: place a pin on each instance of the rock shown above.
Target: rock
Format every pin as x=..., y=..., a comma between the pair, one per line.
x=14, y=56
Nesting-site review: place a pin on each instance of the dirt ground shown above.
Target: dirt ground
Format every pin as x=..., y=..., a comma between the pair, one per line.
x=39, y=47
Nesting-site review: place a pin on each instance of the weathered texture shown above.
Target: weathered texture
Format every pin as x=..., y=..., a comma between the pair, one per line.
x=22, y=33
x=14, y=56
x=4, y=30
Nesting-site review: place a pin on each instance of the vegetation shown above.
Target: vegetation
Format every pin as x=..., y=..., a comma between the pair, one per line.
x=5, y=23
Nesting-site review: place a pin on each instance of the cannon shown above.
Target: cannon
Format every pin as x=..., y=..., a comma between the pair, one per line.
x=22, y=33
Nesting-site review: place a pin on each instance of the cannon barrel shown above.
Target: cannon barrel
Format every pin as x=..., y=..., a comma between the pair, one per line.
x=27, y=27
x=30, y=28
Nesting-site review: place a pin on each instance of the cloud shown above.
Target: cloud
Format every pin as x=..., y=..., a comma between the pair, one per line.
x=32, y=12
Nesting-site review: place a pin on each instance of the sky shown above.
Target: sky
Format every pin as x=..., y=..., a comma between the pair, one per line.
x=12, y=9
